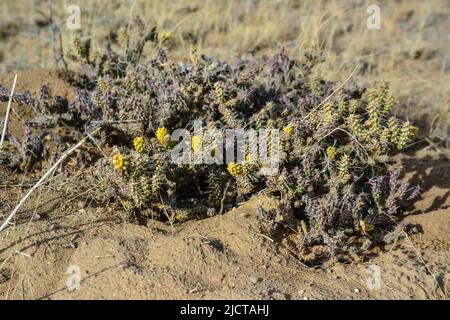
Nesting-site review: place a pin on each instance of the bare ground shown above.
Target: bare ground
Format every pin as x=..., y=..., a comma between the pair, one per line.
x=223, y=257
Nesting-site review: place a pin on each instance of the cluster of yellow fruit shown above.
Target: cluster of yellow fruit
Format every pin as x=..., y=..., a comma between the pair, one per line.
x=197, y=143
x=164, y=36
x=235, y=169
x=241, y=169
x=119, y=160
x=139, y=144
x=289, y=129
x=162, y=136
x=331, y=152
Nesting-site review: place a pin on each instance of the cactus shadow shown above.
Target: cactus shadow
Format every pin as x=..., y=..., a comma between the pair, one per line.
x=429, y=172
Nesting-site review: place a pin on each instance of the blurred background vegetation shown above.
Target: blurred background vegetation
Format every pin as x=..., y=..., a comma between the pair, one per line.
x=411, y=51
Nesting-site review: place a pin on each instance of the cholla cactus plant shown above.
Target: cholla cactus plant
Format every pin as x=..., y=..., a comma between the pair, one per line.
x=335, y=179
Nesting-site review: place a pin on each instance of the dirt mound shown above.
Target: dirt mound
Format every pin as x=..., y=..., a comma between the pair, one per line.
x=31, y=80
x=222, y=257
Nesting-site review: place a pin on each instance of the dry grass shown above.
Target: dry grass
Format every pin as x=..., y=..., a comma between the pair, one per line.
x=410, y=51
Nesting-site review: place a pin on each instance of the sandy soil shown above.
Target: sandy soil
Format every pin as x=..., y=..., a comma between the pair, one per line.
x=217, y=258
x=223, y=257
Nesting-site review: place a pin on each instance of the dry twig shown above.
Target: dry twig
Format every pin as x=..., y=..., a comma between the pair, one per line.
x=5, y=125
x=44, y=177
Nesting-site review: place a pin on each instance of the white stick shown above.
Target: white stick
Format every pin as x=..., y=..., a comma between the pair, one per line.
x=67, y=153
x=5, y=125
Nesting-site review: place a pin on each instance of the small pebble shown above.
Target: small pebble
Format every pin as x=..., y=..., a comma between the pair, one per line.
x=356, y=290
x=40, y=216
x=254, y=280
x=279, y=295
